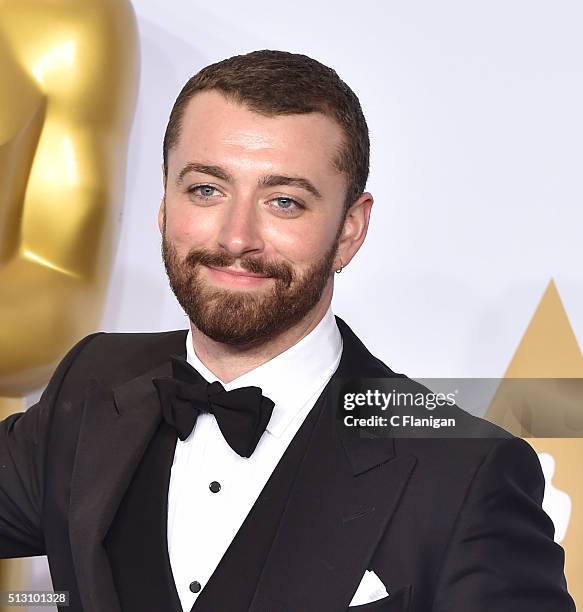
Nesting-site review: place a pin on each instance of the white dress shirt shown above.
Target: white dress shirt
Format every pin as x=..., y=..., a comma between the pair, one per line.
x=201, y=523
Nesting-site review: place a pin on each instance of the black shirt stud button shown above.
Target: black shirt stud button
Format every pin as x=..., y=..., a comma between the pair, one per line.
x=195, y=586
x=215, y=486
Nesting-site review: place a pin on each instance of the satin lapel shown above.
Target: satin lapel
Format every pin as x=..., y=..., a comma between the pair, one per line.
x=340, y=504
x=116, y=427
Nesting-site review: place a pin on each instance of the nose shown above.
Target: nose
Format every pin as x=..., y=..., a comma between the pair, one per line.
x=240, y=232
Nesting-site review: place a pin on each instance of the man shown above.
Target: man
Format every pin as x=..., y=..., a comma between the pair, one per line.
x=206, y=470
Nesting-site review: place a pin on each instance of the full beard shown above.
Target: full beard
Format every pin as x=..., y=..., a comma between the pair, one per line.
x=244, y=318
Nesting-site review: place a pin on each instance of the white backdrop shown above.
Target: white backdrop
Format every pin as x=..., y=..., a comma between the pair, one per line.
x=475, y=115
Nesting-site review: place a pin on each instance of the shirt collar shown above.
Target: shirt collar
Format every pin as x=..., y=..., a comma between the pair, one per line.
x=291, y=378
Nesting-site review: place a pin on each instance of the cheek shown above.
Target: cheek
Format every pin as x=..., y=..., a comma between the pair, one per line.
x=189, y=230
x=297, y=242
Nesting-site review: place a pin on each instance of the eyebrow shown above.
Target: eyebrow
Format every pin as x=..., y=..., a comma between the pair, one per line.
x=271, y=180
x=275, y=180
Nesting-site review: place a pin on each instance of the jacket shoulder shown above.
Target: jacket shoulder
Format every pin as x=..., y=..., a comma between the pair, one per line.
x=114, y=358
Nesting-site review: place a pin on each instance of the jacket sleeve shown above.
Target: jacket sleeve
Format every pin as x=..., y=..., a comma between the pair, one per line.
x=501, y=555
x=23, y=444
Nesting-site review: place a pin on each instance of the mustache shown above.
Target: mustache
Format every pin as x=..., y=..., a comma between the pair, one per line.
x=254, y=265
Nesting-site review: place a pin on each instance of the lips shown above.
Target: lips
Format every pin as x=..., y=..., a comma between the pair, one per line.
x=236, y=272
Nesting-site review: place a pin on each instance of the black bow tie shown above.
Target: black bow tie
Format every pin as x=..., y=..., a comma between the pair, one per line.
x=242, y=414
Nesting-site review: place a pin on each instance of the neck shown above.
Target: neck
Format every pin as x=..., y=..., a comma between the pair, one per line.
x=229, y=362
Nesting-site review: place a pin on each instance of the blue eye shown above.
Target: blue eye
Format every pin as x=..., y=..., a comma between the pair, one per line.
x=285, y=201
x=204, y=191
x=287, y=205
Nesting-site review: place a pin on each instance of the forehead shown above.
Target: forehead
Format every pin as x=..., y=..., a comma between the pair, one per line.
x=220, y=130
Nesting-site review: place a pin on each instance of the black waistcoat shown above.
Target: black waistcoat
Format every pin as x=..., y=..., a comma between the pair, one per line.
x=137, y=545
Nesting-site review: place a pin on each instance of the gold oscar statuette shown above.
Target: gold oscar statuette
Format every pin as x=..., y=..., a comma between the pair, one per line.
x=69, y=72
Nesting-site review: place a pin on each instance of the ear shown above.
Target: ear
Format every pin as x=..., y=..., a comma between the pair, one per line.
x=162, y=209
x=354, y=229
x=162, y=215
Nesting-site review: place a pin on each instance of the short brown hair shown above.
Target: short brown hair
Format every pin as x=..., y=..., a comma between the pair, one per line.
x=281, y=83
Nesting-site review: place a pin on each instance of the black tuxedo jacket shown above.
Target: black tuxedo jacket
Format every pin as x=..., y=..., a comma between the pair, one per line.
x=448, y=525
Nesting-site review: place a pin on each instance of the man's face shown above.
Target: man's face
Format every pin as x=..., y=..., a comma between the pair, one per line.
x=255, y=195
